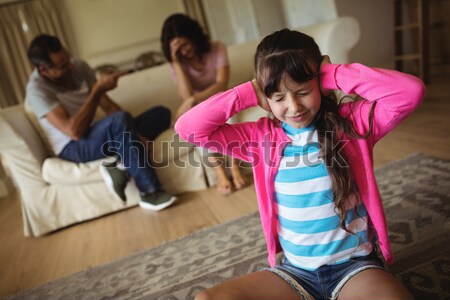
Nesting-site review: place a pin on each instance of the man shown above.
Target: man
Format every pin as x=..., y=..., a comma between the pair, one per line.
x=64, y=94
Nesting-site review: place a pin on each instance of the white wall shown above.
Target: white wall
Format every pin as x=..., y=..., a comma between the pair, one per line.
x=237, y=21
x=117, y=31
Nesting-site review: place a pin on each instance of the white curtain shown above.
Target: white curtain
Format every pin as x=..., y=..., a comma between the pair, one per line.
x=195, y=10
x=19, y=24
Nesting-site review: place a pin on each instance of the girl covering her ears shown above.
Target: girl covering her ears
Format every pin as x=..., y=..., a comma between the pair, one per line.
x=313, y=169
x=200, y=69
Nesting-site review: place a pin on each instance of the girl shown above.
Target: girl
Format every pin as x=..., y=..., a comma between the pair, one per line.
x=200, y=69
x=313, y=169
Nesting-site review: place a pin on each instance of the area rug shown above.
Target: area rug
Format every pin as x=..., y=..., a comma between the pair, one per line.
x=416, y=193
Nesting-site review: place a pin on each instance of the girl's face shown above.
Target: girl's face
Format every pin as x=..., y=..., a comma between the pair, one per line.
x=296, y=104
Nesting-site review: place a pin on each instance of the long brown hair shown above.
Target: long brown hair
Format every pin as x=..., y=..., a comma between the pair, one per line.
x=296, y=55
x=180, y=25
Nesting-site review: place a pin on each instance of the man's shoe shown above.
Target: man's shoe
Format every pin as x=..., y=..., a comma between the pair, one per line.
x=156, y=201
x=115, y=179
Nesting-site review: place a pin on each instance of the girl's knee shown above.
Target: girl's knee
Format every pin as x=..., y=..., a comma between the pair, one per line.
x=203, y=295
x=209, y=295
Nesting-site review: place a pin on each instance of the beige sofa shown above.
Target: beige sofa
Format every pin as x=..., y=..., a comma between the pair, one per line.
x=56, y=193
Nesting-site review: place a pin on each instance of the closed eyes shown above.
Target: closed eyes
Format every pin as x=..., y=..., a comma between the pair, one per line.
x=278, y=98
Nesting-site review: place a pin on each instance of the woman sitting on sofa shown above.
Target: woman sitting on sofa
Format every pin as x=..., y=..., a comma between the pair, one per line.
x=200, y=69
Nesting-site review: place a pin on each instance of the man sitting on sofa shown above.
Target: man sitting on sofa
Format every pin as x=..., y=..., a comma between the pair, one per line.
x=64, y=94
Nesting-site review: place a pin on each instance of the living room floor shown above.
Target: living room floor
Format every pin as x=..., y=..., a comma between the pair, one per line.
x=29, y=262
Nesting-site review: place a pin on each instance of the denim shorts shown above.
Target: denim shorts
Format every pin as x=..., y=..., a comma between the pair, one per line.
x=327, y=281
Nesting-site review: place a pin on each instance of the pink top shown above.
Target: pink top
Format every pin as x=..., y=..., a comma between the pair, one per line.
x=261, y=143
x=201, y=79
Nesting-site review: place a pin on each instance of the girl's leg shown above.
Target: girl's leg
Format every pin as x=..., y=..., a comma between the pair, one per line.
x=223, y=185
x=238, y=180
x=263, y=285
x=374, y=284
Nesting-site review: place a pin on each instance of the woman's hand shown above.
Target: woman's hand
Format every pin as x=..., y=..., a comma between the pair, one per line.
x=262, y=100
x=175, y=47
x=325, y=60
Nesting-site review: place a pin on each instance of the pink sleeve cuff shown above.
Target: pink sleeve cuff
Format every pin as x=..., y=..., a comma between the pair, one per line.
x=247, y=96
x=328, y=76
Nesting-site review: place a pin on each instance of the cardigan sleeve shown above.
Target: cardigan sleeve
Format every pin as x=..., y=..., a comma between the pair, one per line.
x=205, y=124
x=396, y=95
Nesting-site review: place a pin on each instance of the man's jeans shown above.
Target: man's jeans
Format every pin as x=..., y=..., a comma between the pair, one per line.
x=116, y=135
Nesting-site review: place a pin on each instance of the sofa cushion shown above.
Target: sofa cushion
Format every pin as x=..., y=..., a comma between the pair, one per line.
x=169, y=147
x=147, y=88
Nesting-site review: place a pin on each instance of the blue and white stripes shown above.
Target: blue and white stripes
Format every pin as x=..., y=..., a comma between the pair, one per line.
x=308, y=226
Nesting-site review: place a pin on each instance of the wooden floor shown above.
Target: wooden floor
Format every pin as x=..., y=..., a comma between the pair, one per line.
x=29, y=262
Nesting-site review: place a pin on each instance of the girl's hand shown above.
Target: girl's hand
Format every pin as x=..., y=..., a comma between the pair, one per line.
x=325, y=60
x=262, y=100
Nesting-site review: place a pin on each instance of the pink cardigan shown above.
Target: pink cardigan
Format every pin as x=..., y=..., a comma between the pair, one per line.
x=261, y=143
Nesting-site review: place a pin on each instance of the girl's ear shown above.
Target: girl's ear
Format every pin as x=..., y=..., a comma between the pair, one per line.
x=262, y=100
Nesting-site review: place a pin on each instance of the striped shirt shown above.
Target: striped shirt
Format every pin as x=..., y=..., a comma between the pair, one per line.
x=308, y=222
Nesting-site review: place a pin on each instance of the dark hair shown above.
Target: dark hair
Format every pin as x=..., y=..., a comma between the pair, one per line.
x=40, y=49
x=179, y=25
x=296, y=55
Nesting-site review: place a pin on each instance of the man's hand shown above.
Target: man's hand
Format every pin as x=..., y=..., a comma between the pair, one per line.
x=262, y=100
x=108, y=82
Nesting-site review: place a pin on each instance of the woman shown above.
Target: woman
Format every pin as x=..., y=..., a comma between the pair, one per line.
x=200, y=69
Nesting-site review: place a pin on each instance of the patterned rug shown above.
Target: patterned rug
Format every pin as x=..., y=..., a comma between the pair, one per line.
x=416, y=193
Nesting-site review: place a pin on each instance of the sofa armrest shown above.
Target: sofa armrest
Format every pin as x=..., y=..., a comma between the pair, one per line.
x=17, y=120
x=63, y=172
x=24, y=168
